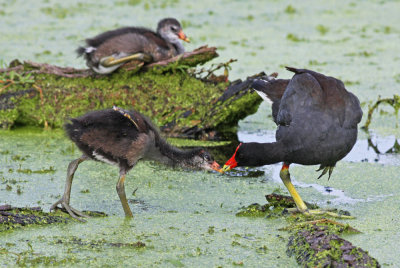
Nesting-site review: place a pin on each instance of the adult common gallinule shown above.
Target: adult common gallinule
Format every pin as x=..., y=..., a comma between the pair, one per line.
x=106, y=52
x=122, y=138
x=317, y=124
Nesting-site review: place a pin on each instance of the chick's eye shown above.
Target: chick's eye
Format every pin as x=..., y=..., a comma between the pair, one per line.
x=173, y=28
x=207, y=157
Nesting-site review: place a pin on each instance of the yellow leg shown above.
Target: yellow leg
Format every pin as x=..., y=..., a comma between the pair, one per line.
x=285, y=176
x=111, y=61
x=301, y=206
x=122, y=196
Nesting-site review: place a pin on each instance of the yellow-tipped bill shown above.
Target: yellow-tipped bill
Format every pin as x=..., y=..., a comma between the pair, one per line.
x=225, y=168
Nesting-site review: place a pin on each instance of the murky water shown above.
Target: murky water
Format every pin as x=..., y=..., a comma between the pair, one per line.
x=187, y=218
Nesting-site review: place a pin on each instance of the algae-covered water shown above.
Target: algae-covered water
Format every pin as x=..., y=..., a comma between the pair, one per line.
x=188, y=218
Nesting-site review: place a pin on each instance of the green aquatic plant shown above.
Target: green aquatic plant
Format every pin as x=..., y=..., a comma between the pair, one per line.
x=294, y=38
x=393, y=102
x=322, y=29
x=290, y=9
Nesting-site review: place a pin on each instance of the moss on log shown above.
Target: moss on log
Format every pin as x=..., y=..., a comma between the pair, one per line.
x=14, y=218
x=314, y=240
x=180, y=102
x=316, y=246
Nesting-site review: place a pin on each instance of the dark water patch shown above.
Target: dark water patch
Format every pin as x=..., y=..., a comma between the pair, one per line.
x=245, y=172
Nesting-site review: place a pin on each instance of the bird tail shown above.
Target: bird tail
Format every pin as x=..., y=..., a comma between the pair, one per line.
x=270, y=90
x=85, y=51
x=73, y=129
x=80, y=51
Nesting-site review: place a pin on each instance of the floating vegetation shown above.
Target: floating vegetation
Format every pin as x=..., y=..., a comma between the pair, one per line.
x=322, y=29
x=29, y=258
x=294, y=38
x=41, y=171
x=290, y=9
x=316, y=63
x=95, y=244
x=397, y=78
x=360, y=54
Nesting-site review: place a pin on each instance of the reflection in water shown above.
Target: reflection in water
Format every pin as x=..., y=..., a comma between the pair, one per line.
x=395, y=149
x=383, y=150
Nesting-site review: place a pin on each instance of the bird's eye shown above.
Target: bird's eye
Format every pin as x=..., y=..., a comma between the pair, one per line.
x=207, y=157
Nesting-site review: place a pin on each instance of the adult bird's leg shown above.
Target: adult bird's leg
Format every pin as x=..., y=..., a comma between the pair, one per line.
x=111, y=61
x=64, y=201
x=122, y=195
x=301, y=206
x=285, y=177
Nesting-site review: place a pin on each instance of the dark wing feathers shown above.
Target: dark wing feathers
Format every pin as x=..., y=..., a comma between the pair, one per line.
x=273, y=90
x=101, y=38
x=336, y=98
x=107, y=130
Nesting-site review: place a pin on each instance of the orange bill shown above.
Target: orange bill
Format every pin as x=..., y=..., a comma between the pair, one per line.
x=215, y=166
x=183, y=36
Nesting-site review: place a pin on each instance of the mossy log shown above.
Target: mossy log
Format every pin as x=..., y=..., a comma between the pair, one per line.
x=314, y=240
x=180, y=101
x=14, y=217
x=316, y=246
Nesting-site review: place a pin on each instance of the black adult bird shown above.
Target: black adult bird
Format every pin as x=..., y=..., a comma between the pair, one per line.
x=122, y=138
x=317, y=124
x=108, y=51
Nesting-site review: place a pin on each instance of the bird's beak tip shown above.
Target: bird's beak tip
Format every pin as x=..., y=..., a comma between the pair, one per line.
x=215, y=166
x=183, y=36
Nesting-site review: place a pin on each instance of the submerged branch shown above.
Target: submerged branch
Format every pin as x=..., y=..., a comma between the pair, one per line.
x=394, y=102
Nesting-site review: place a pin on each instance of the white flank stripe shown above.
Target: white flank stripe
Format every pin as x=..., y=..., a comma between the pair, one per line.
x=89, y=50
x=263, y=96
x=103, y=159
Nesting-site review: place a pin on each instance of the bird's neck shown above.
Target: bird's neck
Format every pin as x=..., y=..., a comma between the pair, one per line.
x=169, y=155
x=178, y=47
x=260, y=154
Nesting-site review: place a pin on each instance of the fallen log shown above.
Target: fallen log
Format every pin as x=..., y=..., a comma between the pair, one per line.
x=314, y=240
x=180, y=101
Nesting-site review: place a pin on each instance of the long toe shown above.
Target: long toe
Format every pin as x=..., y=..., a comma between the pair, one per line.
x=321, y=212
x=74, y=213
x=79, y=213
x=55, y=205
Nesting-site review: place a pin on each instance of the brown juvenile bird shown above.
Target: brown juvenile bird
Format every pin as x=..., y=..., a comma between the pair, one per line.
x=122, y=138
x=106, y=52
x=317, y=125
